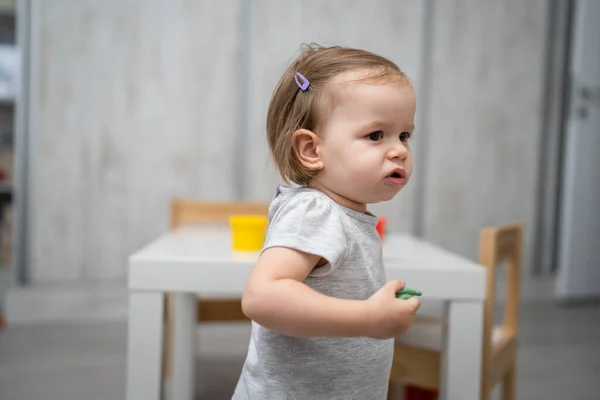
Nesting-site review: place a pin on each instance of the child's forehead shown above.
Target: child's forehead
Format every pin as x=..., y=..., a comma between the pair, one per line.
x=364, y=92
x=383, y=100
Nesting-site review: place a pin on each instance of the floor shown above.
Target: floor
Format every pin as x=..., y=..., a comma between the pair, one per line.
x=559, y=358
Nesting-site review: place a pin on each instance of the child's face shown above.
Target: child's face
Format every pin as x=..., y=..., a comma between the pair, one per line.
x=364, y=148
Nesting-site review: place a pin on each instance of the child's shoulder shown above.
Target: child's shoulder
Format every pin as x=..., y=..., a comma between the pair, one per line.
x=303, y=204
x=307, y=220
x=308, y=204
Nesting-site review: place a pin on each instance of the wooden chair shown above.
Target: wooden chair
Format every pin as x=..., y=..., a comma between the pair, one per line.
x=210, y=310
x=417, y=366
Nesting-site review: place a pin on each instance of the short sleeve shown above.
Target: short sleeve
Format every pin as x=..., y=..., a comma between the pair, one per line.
x=311, y=224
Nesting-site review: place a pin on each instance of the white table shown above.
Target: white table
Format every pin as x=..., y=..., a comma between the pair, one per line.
x=195, y=260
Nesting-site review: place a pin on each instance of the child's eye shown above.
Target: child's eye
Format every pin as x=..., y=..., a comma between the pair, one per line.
x=375, y=136
x=404, y=136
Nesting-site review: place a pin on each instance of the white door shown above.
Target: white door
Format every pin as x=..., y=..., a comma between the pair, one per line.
x=579, y=237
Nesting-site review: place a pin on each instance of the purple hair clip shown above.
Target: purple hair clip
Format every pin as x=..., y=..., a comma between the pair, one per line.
x=304, y=85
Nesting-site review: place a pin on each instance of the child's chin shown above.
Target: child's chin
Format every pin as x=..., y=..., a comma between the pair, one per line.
x=384, y=197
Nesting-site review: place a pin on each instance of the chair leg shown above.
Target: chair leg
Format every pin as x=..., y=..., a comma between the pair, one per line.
x=168, y=338
x=392, y=391
x=509, y=385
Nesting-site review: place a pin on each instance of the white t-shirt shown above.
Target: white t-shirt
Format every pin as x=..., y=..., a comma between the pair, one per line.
x=279, y=366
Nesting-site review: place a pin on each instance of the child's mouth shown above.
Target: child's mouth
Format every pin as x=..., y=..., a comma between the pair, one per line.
x=396, y=177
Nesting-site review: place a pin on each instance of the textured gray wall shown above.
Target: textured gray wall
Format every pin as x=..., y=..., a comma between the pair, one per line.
x=134, y=103
x=485, y=120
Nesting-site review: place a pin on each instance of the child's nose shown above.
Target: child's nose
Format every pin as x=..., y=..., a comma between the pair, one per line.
x=398, y=150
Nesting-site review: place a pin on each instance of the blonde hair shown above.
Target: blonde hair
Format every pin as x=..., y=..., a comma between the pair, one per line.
x=291, y=108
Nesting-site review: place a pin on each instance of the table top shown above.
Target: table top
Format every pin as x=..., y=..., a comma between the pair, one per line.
x=200, y=259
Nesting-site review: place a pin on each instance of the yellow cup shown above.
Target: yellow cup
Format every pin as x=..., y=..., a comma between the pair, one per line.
x=248, y=231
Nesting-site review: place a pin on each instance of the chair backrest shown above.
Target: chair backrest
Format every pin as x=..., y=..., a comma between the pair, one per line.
x=202, y=212
x=498, y=245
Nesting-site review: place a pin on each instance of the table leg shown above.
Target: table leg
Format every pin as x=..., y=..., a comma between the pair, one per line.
x=144, y=345
x=184, y=351
x=461, y=358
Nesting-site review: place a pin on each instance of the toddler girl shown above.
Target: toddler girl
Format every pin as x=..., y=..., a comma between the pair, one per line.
x=323, y=316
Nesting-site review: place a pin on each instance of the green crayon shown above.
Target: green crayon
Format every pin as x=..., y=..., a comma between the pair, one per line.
x=407, y=293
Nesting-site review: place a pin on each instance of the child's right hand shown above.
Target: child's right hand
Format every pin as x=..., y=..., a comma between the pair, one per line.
x=391, y=316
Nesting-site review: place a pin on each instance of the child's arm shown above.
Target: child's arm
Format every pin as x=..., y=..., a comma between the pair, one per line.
x=276, y=297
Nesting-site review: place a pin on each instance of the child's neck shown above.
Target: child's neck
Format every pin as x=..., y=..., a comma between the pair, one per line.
x=338, y=198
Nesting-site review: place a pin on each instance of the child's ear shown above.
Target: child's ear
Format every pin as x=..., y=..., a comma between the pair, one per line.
x=306, y=145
